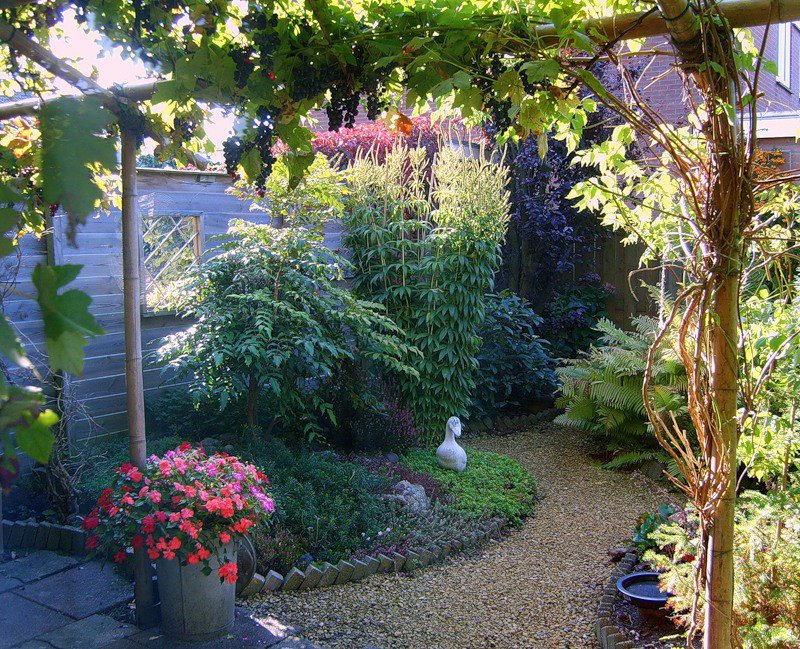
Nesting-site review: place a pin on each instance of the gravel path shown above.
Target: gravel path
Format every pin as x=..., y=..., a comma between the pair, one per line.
x=515, y=594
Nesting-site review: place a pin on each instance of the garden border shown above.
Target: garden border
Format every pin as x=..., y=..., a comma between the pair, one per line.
x=506, y=425
x=36, y=535
x=608, y=634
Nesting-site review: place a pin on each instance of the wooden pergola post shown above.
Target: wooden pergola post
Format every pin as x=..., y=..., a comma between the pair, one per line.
x=146, y=612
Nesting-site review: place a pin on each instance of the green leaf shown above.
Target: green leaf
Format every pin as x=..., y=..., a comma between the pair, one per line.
x=251, y=164
x=35, y=439
x=67, y=321
x=73, y=138
x=11, y=346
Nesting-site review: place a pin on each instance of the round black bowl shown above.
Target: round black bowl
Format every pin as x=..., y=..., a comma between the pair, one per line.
x=642, y=589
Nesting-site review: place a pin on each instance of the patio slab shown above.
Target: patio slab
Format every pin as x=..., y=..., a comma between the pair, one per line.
x=21, y=620
x=7, y=583
x=37, y=565
x=92, y=632
x=80, y=591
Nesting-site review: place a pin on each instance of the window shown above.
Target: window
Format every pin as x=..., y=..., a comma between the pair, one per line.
x=171, y=245
x=784, y=62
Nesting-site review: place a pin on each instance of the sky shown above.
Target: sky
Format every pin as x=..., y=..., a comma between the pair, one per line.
x=88, y=52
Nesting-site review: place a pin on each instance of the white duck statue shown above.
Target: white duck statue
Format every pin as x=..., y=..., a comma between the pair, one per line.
x=450, y=455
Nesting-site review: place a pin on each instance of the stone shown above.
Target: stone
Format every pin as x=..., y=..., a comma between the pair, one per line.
x=29, y=535
x=387, y=564
x=293, y=579
x=53, y=537
x=446, y=548
x=425, y=557
x=412, y=560
x=394, y=458
x=8, y=583
x=17, y=532
x=93, y=631
x=304, y=561
x=78, y=542
x=41, y=537
x=21, y=619
x=372, y=565
x=410, y=497
x=313, y=575
x=329, y=575
x=436, y=552
x=65, y=538
x=255, y=586
x=296, y=643
x=273, y=581
x=399, y=561
x=36, y=565
x=359, y=570
x=80, y=591
x=654, y=469
x=210, y=444
x=345, y=569
x=7, y=527
x=449, y=454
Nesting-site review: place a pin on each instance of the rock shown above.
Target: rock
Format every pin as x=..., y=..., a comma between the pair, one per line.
x=410, y=497
x=255, y=586
x=304, y=561
x=229, y=448
x=617, y=554
x=654, y=469
x=210, y=444
x=394, y=458
x=274, y=581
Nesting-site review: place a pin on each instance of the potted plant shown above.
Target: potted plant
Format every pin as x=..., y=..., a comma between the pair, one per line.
x=188, y=510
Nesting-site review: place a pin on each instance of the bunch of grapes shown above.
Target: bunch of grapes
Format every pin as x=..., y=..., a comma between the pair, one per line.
x=498, y=109
x=342, y=107
x=375, y=93
x=233, y=150
x=243, y=59
x=263, y=143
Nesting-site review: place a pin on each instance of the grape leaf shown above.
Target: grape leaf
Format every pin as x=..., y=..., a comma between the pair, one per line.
x=67, y=321
x=72, y=141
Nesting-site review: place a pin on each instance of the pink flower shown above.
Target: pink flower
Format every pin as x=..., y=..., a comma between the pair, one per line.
x=224, y=537
x=155, y=496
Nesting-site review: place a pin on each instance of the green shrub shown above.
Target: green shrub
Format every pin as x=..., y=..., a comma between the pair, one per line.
x=491, y=486
x=271, y=318
x=602, y=391
x=513, y=364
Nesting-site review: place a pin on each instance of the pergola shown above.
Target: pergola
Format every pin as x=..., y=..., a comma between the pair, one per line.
x=675, y=18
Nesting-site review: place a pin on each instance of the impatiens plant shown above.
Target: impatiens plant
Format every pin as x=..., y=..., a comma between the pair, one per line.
x=184, y=506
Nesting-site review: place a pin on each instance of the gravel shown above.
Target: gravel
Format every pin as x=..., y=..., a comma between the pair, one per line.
x=537, y=589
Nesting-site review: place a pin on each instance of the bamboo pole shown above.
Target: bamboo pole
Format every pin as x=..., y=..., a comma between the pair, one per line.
x=143, y=588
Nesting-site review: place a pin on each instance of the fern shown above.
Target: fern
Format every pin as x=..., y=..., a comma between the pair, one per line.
x=602, y=392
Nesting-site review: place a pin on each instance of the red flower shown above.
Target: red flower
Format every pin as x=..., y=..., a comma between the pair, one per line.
x=136, y=476
x=120, y=557
x=186, y=513
x=243, y=525
x=90, y=522
x=161, y=516
x=174, y=543
x=185, y=446
x=203, y=553
x=227, y=571
x=105, y=498
x=224, y=537
x=148, y=524
x=92, y=542
x=137, y=541
x=153, y=553
x=192, y=558
x=155, y=496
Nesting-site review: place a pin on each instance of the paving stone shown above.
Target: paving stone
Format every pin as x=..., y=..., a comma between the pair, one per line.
x=41, y=537
x=412, y=560
x=424, y=557
x=53, y=537
x=387, y=564
x=255, y=586
x=17, y=532
x=21, y=619
x=273, y=581
x=359, y=570
x=7, y=583
x=293, y=579
x=90, y=633
x=33, y=644
x=329, y=575
x=345, y=569
x=296, y=643
x=36, y=566
x=248, y=631
x=80, y=591
x=313, y=575
x=372, y=565
x=399, y=561
x=29, y=535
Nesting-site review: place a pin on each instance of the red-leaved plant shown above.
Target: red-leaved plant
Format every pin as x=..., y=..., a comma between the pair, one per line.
x=184, y=506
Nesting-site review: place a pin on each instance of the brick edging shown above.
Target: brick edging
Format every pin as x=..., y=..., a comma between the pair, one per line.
x=355, y=569
x=506, y=425
x=609, y=635
x=35, y=535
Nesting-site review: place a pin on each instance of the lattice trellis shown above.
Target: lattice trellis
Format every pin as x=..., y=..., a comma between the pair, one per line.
x=171, y=246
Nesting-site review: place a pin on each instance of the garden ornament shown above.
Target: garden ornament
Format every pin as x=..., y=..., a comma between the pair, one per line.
x=450, y=455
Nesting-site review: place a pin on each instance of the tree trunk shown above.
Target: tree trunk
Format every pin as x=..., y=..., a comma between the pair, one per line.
x=724, y=382
x=253, y=391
